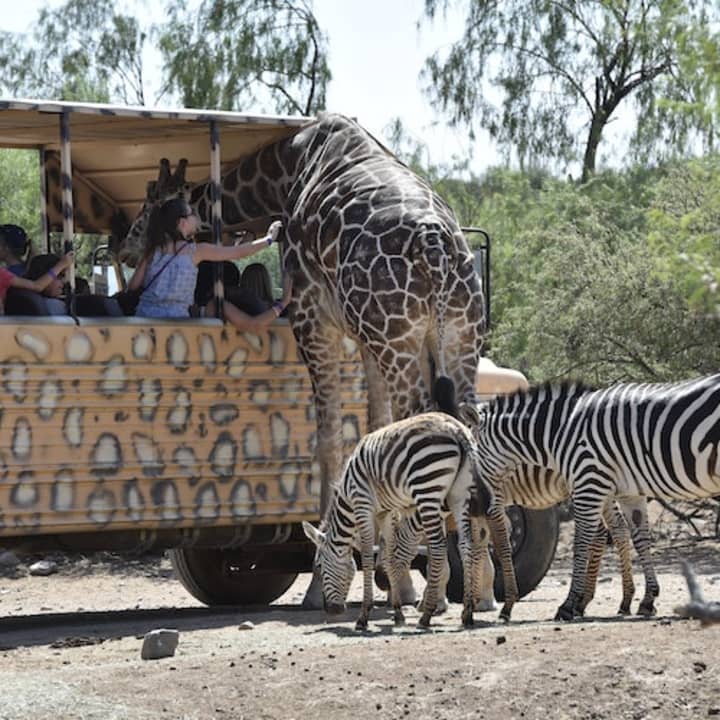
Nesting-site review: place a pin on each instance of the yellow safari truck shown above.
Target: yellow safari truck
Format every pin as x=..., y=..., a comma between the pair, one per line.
x=130, y=434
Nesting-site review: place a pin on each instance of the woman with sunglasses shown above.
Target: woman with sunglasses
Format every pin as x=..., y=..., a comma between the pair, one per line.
x=167, y=273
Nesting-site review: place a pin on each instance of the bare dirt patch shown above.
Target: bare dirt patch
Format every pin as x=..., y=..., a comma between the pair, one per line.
x=71, y=649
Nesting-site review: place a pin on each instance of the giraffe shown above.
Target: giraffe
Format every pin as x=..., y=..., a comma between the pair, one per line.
x=375, y=254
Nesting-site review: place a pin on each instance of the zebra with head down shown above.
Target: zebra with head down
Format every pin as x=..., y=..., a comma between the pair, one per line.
x=414, y=465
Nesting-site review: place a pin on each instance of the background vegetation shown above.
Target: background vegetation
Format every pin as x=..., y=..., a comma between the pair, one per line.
x=612, y=276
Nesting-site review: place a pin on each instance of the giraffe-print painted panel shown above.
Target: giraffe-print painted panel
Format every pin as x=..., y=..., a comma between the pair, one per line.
x=131, y=425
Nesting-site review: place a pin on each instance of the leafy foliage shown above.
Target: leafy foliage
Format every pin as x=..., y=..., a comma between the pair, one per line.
x=235, y=54
x=558, y=66
x=223, y=54
x=582, y=287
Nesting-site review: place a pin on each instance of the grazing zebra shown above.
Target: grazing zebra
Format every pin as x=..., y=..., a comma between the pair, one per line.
x=628, y=441
x=535, y=487
x=413, y=465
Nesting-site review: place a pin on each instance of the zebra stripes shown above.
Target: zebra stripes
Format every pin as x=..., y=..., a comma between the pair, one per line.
x=625, y=442
x=538, y=488
x=413, y=465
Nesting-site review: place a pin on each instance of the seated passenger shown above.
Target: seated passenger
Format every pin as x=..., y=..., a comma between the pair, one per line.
x=255, y=279
x=204, y=290
x=14, y=248
x=41, y=265
x=82, y=286
x=246, y=321
x=167, y=273
x=51, y=275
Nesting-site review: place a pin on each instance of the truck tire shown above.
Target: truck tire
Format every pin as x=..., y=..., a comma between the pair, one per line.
x=534, y=537
x=230, y=577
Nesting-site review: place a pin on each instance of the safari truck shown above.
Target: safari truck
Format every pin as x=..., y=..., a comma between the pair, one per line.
x=129, y=434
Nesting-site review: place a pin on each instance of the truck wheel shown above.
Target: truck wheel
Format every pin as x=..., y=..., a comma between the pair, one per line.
x=534, y=536
x=230, y=577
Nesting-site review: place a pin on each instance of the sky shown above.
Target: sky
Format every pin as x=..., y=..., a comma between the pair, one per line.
x=376, y=55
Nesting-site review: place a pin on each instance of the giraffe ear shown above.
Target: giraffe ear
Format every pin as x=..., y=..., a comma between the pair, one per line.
x=313, y=534
x=179, y=177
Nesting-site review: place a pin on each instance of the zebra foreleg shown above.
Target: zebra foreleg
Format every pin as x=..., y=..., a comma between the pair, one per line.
x=635, y=512
x=587, y=520
x=366, y=531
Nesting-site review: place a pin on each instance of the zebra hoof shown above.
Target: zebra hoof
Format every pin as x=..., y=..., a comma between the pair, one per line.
x=399, y=618
x=424, y=621
x=361, y=624
x=467, y=619
x=646, y=610
x=565, y=614
x=623, y=610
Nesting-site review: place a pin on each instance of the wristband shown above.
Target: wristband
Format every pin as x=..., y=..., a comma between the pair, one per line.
x=269, y=240
x=52, y=274
x=278, y=307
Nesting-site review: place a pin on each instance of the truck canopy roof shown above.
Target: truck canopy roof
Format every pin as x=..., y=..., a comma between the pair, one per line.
x=116, y=149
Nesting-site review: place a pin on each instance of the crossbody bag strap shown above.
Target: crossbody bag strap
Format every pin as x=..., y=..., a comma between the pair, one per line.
x=157, y=274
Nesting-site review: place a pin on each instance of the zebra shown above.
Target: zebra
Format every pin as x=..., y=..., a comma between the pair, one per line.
x=412, y=465
x=535, y=487
x=628, y=441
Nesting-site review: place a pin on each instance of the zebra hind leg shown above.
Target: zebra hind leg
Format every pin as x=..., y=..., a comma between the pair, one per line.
x=467, y=532
x=395, y=564
x=437, y=566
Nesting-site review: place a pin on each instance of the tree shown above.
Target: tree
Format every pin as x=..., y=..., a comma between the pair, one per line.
x=221, y=54
x=82, y=50
x=559, y=65
x=237, y=54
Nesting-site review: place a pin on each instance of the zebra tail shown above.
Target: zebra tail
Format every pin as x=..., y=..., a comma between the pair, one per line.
x=444, y=396
x=482, y=497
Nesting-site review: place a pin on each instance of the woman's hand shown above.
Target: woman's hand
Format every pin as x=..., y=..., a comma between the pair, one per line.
x=274, y=230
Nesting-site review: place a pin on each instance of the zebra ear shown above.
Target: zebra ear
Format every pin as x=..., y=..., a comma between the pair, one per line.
x=313, y=534
x=468, y=414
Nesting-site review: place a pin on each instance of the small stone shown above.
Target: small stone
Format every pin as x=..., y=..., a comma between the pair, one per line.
x=247, y=625
x=159, y=644
x=714, y=711
x=500, y=639
x=43, y=568
x=699, y=666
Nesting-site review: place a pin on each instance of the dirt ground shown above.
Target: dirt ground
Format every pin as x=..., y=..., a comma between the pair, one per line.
x=70, y=648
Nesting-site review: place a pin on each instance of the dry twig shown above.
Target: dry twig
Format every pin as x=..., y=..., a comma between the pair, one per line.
x=707, y=612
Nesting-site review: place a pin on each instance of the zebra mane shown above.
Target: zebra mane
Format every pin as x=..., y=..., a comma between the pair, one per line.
x=567, y=389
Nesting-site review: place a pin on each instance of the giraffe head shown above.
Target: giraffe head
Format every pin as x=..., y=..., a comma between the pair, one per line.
x=167, y=186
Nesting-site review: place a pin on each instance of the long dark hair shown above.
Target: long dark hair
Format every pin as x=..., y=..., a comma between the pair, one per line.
x=163, y=224
x=256, y=278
